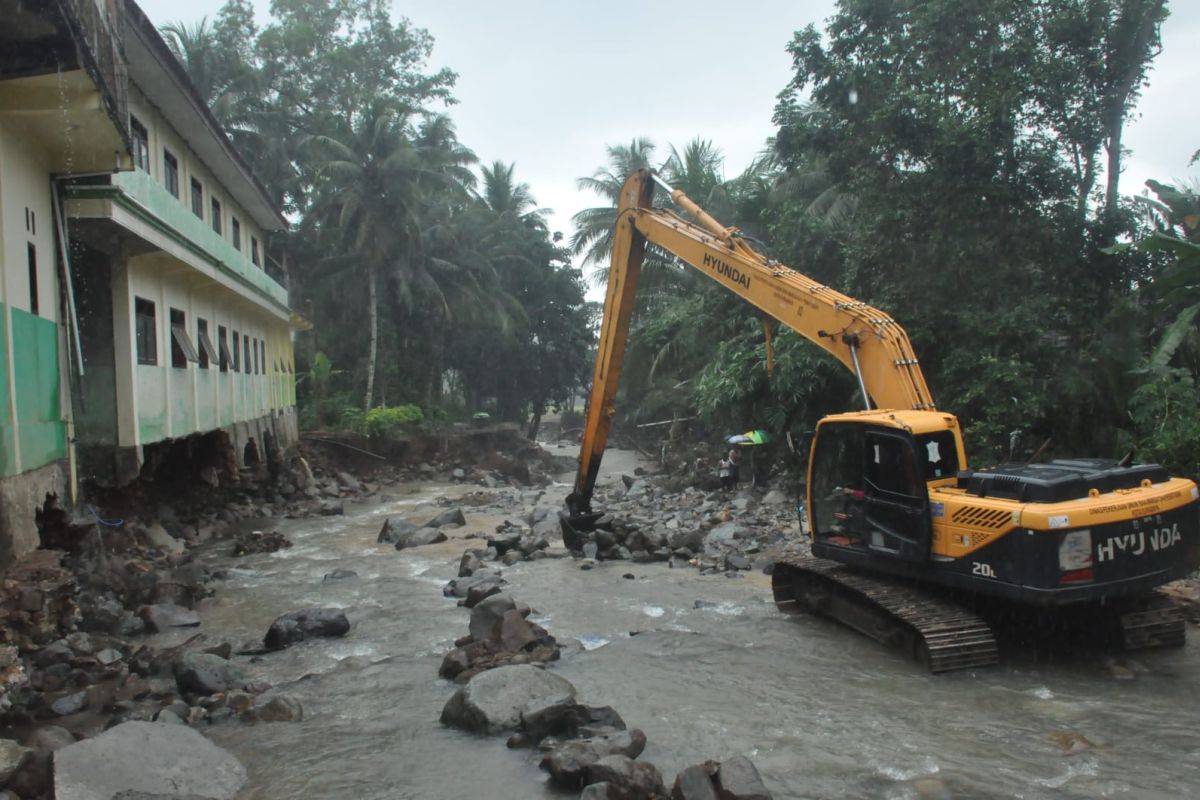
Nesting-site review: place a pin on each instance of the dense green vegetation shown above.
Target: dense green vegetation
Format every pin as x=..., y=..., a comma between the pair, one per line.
x=434, y=289
x=956, y=164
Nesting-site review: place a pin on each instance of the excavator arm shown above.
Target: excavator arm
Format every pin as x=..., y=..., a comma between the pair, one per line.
x=868, y=342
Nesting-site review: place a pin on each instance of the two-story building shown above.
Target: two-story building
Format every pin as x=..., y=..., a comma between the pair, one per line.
x=141, y=306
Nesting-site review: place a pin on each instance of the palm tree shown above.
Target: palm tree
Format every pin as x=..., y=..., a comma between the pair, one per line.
x=594, y=226
x=373, y=184
x=503, y=195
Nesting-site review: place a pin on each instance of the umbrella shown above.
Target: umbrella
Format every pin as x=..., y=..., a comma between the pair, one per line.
x=749, y=438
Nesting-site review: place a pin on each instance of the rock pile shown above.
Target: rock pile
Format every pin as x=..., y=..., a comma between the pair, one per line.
x=506, y=690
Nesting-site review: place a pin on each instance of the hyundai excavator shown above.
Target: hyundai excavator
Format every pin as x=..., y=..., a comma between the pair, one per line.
x=908, y=542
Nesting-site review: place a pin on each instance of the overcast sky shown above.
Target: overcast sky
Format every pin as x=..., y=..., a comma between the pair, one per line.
x=549, y=83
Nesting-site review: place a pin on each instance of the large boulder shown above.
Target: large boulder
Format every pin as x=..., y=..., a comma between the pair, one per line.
x=420, y=537
x=452, y=516
x=12, y=757
x=395, y=528
x=695, y=783
x=163, y=616
x=738, y=779
x=629, y=779
x=145, y=758
x=488, y=615
x=296, y=626
x=726, y=534
x=568, y=761
x=494, y=701
x=205, y=673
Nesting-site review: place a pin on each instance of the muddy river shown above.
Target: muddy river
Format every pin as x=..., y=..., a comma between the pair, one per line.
x=822, y=712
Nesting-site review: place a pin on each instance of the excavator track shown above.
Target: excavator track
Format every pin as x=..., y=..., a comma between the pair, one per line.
x=1158, y=623
x=936, y=632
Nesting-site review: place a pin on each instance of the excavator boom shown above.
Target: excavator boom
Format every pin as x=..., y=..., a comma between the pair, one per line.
x=867, y=341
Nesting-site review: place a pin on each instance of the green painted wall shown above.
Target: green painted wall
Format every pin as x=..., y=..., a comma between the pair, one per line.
x=7, y=431
x=39, y=425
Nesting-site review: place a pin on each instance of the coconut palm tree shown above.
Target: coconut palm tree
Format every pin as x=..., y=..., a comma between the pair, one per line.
x=594, y=226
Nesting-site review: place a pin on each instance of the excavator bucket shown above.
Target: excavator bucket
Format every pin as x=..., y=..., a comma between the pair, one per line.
x=575, y=529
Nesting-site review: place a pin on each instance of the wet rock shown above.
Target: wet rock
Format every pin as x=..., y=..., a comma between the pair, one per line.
x=12, y=758
x=34, y=777
x=487, y=616
x=339, y=575
x=461, y=587
x=515, y=631
x=573, y=721
x=420, y=537
x=143, y=757
x=695, y=783
x=164, y=616
x=108, y=656
x=495, y=700
x=512, y=557
x=632, y=780
x=205, y=674
x=599, y=791
x=70, y=704
x=455, y=663
x=726, y=534
x=349, y=482
x=735, y=561
x=280, y=709
x=156, y=536
x=395, y=528
x=478, y=593
x=332, y=508
x=166, y=716
x=471, y=561
x=259, y=542
x=452, y=516
x=296, y=626
x=568, y=761
x=738, y=779
x=48, y=737
x=55, y=653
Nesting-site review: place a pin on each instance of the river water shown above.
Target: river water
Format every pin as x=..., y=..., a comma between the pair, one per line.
x=823, y=712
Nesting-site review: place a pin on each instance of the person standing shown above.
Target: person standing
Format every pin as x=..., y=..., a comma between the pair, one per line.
x=727, y=470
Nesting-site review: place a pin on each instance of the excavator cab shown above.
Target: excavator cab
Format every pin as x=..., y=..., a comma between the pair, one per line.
x=868, y=492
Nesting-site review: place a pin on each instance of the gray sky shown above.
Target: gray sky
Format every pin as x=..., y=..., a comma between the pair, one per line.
x=549, y=83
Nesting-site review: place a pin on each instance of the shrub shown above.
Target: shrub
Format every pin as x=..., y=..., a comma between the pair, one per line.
x=386, y=421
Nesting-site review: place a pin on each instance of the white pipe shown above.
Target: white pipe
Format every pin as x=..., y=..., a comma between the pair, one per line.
x=64, y=251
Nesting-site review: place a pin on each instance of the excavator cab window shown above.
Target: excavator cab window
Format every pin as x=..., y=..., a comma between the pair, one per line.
x=868, y=490
x=938, y=455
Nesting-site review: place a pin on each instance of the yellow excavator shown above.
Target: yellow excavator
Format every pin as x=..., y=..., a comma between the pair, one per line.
x=907, y=542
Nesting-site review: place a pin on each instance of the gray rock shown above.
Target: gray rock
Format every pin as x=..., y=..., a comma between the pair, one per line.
x=171, y=761
x=726, y=534
x=55, y=653
x=156, y=536
x=487, y=616
x=349, y=482
x=419, y=538
x=737, y=779
x=735, y=561
x=452, y=516
x=692, y=540
x=108, y=656
x=774, y=498
x=569, y=761
x=49, y=737
x=599, y=791
x=394, y=528
x=12, y=757
x=166, y=716
x=632, y=780
x=296, y=626
x=695, y=783
x=495, y=700
x=70, y=704
x=339, y=575
x=204, y=673
x=280, y=709
x=332, y=508
x=470, y=562
x=162, y=616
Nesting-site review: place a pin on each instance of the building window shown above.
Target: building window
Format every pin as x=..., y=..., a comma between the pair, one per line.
x=31, y=250
x=141, y=144
x=208, y=353
x=170, y=173
x=216, y=215
x=262, y=348
x=235, y=233
x=254, y=251
x=182, y=349
x=248, y=365
x=197, y=198
x=146, y=331
x=236, y=353
x=224, y=345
